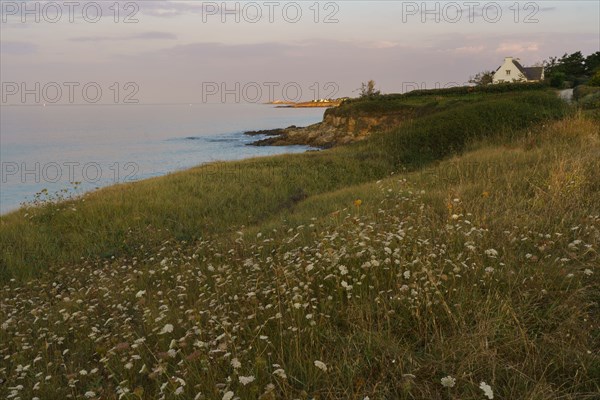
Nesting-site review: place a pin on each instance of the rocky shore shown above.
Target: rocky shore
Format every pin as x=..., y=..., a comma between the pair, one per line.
x=332, y=131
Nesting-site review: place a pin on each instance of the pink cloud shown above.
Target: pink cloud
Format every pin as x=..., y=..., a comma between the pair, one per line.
x=517, y=48
x=469, y=49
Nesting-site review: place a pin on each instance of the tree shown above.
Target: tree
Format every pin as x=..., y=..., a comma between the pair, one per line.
x=483, y=78
x=595, y=81
x=570, y=67
x=368, y=89
x=557, y=79
x=592, y=63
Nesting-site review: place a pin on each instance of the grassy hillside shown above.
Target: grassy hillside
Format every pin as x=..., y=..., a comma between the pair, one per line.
x=222, y=197
x=373, y=270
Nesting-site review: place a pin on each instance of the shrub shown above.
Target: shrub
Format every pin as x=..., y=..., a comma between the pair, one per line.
x=595, y=80
x=449, y=132
x=582, y=91
x=591, y=101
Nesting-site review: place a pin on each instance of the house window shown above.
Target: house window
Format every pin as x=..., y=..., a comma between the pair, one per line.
x=508, y=72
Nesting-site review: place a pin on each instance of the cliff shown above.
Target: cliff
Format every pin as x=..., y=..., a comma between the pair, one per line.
x=339, y=126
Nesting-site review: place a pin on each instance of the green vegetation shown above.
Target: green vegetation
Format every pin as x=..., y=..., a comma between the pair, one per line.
x=217, y=199
x=482, y=78
x=571, y=70
x=367, y=90
x=459, y=249
x=422, y=102
x=587, y=97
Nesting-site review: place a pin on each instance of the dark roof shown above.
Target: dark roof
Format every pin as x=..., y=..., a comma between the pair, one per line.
x=534, y=73
x=520, y=67
x=531, y=73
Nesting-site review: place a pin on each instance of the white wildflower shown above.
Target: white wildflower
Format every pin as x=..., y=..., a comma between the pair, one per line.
x=491, y=253
x=141, y=293
x=235, y=363
x=89, y=394
x=244, y=380
x=321, y=365
x=228, y=395
x=487, y=390
x=168, y=328
x=280, y=373
x=448, y=381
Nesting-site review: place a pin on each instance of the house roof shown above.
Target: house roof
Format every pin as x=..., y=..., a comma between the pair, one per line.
x=531, y=73
x=520, y=67
x=534, y=73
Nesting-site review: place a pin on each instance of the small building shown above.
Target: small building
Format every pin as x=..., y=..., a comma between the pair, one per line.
x=512, y=71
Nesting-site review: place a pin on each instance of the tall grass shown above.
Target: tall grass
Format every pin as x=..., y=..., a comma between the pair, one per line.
x=220, y=198
x=482, y=267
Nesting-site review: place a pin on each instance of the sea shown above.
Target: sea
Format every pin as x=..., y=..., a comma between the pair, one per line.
x=45, y=149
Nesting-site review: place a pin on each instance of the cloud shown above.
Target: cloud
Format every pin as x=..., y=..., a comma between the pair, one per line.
x=469, y=49
x=385, y=44
x=517, y=48
x=18, y=48
x=169, y=9
x=138, y=36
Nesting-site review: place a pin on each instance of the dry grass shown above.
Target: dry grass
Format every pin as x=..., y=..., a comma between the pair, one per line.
x=483, y=268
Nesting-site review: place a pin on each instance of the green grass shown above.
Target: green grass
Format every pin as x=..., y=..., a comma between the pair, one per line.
x=219, y=198
x=480, y=263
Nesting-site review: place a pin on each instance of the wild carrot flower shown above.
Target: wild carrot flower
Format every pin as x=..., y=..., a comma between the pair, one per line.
x=491, y=252
x=321, y=365
x=168, y=328
x=228, y=395
x=487, y=390
x=448, y=381
x=244, y=380
x=235, y=363
x=280, y=373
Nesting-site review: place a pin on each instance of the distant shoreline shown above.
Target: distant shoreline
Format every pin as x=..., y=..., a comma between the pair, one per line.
x=305, y=104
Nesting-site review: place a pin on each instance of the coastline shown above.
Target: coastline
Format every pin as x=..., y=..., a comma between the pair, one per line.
x=152, y=138
x=67, y=192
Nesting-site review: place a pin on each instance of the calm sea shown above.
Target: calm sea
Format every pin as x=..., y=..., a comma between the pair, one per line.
x=49, y=147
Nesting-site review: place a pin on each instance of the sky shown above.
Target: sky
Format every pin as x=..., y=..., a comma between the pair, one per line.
x=197, y=51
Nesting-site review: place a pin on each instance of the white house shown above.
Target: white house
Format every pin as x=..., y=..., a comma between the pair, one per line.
x=513, y=71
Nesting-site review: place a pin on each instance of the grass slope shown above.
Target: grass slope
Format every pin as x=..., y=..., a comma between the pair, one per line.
x=482, y=266
x=219, y=198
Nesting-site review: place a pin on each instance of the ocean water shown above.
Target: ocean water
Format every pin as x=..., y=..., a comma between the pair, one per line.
x=50, y=147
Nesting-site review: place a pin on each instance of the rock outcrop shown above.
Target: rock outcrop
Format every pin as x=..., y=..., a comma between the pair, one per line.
x=336, y=129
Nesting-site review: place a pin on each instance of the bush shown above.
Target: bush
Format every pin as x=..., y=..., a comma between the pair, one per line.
x=558, y=79
x=595, y=80
x=591, y=101
x=423, y=102
x=582, y=91
x=449, y=132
